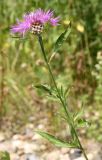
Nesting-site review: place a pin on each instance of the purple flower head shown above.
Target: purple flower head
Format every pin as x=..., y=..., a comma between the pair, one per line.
x=35, y=21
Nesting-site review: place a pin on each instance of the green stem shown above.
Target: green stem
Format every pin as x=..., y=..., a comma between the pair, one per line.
x=2, y=86
x=69, y=118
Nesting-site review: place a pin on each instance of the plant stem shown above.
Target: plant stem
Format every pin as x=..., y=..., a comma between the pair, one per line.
x=2, y=86
x=69, y=118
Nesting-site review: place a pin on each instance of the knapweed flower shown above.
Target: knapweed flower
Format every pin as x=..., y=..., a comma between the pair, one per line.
x=34, y=22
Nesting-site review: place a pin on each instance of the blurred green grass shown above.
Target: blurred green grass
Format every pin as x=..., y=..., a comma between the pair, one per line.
x=21, y=63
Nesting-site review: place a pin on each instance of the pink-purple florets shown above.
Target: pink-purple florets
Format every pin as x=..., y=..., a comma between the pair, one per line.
x=35, y=21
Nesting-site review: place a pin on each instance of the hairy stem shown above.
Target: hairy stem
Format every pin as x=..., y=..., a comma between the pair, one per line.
x=69, y=118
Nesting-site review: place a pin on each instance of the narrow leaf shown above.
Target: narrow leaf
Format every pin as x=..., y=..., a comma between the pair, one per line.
x=18, y=37
x=79, y=114
x=73, y=134
x=60, y=41
x=57, y=142
x=44, y=88
x=62, y=38
x=62, y=91
x=67, y=91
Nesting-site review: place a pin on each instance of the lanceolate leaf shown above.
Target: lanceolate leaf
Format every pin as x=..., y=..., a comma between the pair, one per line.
x=79, y=114
x=57, y=142
x=73, y=134
x=44, y=88
x=62, y=38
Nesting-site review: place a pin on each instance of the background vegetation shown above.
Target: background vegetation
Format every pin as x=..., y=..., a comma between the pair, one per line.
x=78, y=63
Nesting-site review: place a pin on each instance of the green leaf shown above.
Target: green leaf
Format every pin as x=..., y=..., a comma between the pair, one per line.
x=4, y=156
x=72, y=134
x=53, y=98
x=57, y=142
x=62, y=38
x=67, y=91
x=79, y=114
x=44, y=88
x=82, y=123
x=60, y=41
x=61, y=91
